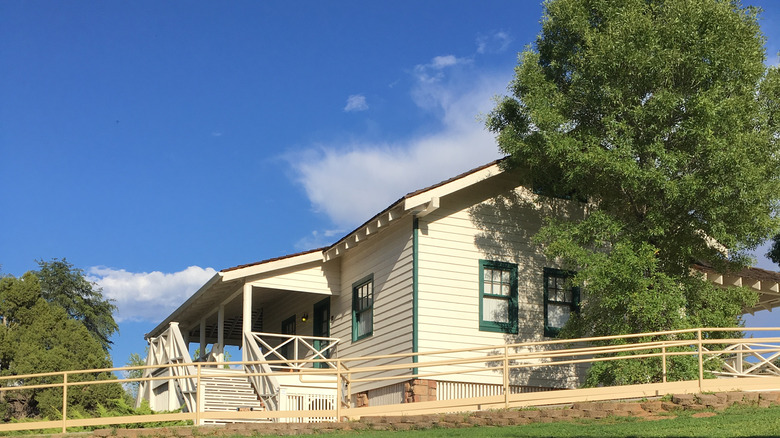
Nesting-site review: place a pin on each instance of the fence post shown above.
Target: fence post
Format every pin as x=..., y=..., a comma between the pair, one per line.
x=199, y=396
x=338, y=390
x=506, y=376
x=701, y=359
x=64, y=402
x=663, y=363
x=738, y=365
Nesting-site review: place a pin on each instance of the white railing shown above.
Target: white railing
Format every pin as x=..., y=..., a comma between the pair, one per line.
x=750, y=360
x=295, y=352
x=170, y=349
x=701, y=344
x=266, y=386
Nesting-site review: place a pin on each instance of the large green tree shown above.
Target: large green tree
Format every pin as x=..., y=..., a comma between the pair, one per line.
x=37, y=336
x=65, y=286
x=663, y=115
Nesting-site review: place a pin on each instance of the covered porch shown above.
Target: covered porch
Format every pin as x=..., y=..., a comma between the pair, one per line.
x=277, y=313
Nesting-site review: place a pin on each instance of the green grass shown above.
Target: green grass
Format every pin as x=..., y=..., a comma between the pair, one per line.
x=735, y=422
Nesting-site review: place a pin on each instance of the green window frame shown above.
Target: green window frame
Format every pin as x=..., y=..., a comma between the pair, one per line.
x=363, y=308
x=498, y=297
x=561, y=299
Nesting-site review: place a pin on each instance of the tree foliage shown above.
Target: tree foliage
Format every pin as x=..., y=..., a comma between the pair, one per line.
x=38, y=335
x=664, y=117
x=66, y=287
x=774, y=251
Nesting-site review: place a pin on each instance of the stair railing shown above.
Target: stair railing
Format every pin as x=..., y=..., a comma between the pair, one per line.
x=266, y=386
x=166, y=349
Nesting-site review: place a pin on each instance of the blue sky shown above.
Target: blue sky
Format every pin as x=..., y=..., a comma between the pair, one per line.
x=152, y=143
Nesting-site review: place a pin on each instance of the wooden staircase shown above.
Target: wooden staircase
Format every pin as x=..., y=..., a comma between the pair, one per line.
x=227, y=390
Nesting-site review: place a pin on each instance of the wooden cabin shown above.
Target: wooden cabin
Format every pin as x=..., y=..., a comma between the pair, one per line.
x=446, y=267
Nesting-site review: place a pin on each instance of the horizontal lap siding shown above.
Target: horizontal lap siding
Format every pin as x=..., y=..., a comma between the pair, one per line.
x=291, y=304
x=317, y=278
x=452, y=240
x=388, y=257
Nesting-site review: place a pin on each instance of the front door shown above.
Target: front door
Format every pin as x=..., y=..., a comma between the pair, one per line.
x=321, y=328
x=288, y=328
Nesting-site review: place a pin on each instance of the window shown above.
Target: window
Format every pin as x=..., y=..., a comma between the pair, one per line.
x=497, y=296
x=560, y=299
x=363, y=308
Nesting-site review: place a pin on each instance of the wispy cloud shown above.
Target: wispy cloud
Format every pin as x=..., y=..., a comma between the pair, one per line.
x=350, y=182
x=318, y=239
x=433, y=71
x=356, y=102
x=494, y=42
x=148, y=296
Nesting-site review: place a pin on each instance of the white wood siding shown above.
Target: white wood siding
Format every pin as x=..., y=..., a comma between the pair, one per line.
x=469, y=226
x=316, y=277
x=388, y=257
x=292, y=303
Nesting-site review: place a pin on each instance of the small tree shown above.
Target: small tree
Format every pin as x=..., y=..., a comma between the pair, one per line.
x=664, y=117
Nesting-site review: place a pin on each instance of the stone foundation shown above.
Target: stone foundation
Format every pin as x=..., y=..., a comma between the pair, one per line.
x=419, y=390
x=361, y=399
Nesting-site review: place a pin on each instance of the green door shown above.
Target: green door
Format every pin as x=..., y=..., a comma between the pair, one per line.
x=321, y=324
x=288, y=328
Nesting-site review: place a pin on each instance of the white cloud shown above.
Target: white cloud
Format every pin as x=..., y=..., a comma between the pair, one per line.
x=318, y=239
x=356, y=102
x=433, y=71
x=440, y=62
x=148, y=296
x=350, y=183
x=495, y=42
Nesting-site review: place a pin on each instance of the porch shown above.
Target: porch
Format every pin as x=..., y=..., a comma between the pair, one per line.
x=273, y=377
x=276, y=313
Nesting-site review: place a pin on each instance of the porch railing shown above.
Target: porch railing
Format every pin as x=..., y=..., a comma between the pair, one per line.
x=295, y=352
x=750, y=359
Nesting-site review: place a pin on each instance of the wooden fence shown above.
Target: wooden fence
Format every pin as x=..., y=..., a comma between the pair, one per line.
x=737, y=355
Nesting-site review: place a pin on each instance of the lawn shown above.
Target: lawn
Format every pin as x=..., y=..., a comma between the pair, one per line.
x=737, y=421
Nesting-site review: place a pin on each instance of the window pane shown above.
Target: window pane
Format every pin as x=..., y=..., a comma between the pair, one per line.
x=557, y=314
x=495, y=309
x=364, y=323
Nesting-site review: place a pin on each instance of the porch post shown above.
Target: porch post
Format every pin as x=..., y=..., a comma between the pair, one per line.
x=202, y=338
x=221, y=333
x=246, y=326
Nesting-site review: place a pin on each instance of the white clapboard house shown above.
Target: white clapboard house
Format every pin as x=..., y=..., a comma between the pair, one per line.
x=447, y=267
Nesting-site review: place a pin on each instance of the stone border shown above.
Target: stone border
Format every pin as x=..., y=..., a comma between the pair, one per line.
x=649, y=409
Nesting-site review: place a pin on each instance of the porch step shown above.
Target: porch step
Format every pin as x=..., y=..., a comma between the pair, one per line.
x=228, y=393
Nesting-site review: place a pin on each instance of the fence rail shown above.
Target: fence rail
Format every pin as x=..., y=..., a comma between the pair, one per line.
x=748, y=364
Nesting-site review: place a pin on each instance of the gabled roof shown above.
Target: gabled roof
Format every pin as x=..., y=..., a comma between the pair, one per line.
x=418, y=202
